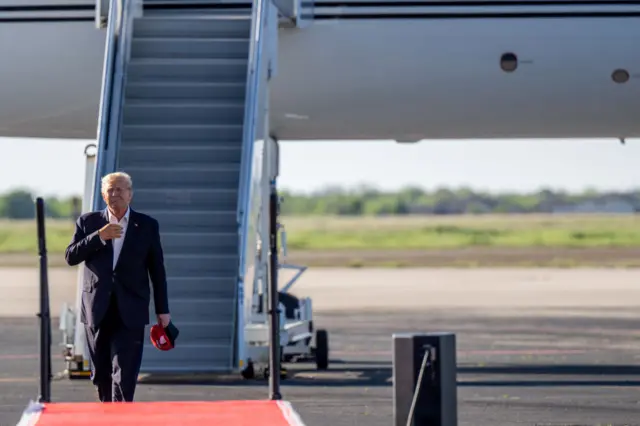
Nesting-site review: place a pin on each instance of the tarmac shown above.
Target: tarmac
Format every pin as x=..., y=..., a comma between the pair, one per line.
x=535, y=346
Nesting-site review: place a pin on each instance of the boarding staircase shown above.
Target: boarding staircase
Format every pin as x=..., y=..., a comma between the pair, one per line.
x=179, y=133
x=182, y=143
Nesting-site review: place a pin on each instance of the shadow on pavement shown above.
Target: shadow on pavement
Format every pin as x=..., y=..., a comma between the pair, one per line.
x=299, y=375
x=370, y=374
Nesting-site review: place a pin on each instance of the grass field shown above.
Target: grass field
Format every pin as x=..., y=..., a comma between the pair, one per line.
x=457, y=232
x=562, y=240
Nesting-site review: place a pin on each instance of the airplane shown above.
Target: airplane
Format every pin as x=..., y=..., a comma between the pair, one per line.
x=364, y=70
x=345, y=70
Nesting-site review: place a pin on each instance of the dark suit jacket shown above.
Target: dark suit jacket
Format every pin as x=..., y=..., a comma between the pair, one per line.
x=141, y=258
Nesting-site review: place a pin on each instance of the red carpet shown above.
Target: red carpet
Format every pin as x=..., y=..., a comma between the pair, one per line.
x=192, y=413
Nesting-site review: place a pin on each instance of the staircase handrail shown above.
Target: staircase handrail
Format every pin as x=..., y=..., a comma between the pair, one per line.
x=259, y=17
x=111, y=94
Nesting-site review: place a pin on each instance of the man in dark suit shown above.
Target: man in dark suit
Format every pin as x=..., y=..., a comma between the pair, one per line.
x=121, y=250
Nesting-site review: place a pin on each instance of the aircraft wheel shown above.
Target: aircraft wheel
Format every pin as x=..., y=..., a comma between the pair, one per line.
x=322, y=349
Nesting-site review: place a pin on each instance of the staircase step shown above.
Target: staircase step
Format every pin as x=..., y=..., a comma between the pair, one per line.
x=204, y=264
x=185, y=199
x=176, y=155
x=185, y=112
x=182, y=140
x=189, y=287
x=198, y=243
x=195, y=221
x=166, y=48
x=214, y=357
x=191, y=70
x=205, y=332
x=191, y=27
x=152, y=144
x=164, y=91
x=219, y=176
x=212, y=4
x=199, y=13
x=188, y=134
x=202, y=308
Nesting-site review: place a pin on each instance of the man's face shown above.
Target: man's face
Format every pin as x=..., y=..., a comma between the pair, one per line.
x=117, y=194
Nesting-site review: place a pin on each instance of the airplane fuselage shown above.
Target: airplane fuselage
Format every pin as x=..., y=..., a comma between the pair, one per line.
x=370, y=75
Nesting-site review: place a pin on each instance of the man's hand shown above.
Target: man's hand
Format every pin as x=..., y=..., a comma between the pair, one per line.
x=110, y=231
x=164, y=319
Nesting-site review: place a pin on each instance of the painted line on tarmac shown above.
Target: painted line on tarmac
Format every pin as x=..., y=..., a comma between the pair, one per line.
x=479, y=352
x=389, y=353
x=523, y=352
x=18, y=379
x=19, y=356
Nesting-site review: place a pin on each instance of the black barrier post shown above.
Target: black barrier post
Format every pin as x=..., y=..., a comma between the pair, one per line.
x=273, y=311
x=44, y=314
x=424, y=379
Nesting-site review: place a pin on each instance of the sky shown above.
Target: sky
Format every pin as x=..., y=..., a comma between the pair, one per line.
x=55, y=167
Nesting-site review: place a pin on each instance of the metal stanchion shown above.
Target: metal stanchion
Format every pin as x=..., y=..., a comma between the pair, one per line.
x=44, y=314
x=273, y=301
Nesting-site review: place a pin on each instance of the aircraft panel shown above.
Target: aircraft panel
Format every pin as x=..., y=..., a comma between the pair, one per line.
x=426, y=79
x=405, y=79
x=22, y=3
x=51, y=79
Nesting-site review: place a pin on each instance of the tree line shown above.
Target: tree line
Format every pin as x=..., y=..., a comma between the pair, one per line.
x=19, y=203
x=373, y=202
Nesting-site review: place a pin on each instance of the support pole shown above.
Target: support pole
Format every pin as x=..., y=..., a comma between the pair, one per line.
x=274, y=314
x=44, y=314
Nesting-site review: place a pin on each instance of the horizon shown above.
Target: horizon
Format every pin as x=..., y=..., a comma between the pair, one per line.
x=361, y=187
x=56, y=167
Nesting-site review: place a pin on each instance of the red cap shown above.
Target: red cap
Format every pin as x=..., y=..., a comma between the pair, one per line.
x=160, y=338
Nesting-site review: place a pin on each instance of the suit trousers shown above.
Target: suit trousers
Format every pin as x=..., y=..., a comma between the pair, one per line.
x=116, y=354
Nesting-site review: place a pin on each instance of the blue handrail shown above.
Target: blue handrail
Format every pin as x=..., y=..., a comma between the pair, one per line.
x=251, y=119
x=105, y=97
x=115, y=62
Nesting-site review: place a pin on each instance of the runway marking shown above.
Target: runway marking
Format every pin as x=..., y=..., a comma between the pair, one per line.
x=523, y=352
x=19, y=356
x=479, y=352
x=18, y=379
x=389, y=353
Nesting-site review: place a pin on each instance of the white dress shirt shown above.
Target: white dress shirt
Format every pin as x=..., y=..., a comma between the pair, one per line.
x=117, y=242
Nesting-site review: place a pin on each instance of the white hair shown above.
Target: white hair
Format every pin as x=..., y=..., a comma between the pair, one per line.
x=107, y=179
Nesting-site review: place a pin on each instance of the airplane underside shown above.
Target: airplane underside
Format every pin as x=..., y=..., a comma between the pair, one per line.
x=363, y=70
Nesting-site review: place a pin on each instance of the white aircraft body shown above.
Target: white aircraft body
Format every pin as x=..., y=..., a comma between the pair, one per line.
x=370, y=70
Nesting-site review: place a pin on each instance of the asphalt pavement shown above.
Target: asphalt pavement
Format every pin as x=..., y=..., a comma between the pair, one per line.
x=550, y=364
